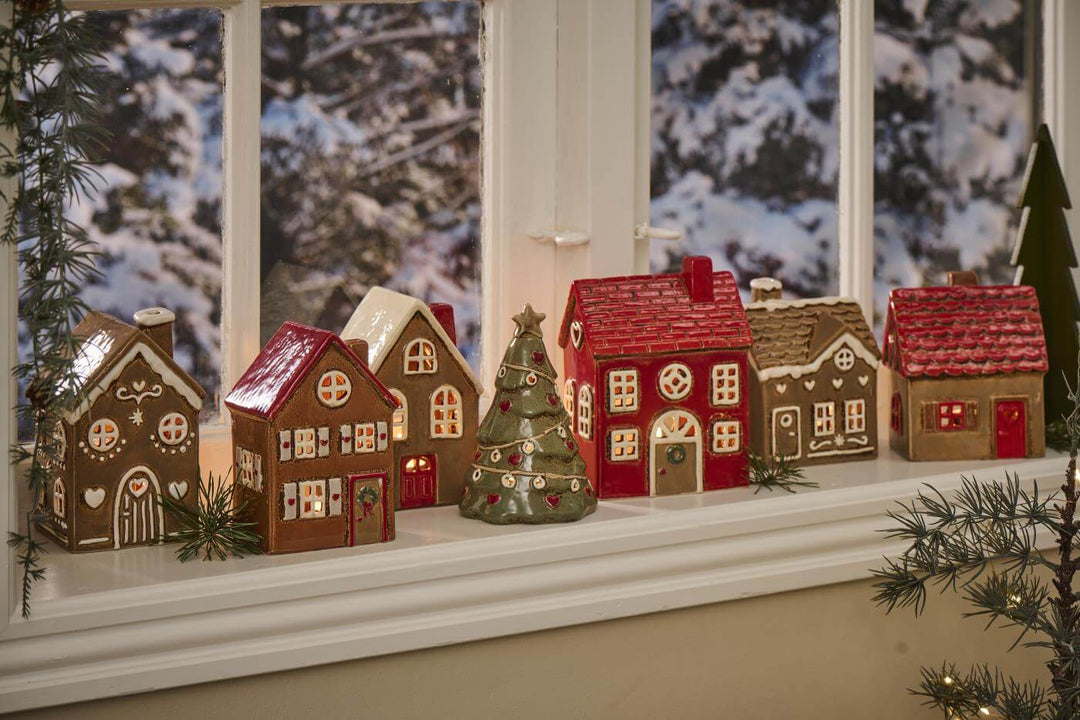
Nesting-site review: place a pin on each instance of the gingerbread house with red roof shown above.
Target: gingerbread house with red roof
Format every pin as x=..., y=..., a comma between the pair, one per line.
x=967, y=364
x=311, y=442
x=655, y=369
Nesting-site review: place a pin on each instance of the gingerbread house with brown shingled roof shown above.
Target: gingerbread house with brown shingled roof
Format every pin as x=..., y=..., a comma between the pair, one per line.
x=967, y=363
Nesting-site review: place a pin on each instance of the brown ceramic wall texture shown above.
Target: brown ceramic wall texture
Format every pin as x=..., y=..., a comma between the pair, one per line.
x=455, y=455
x=918, y=443
x=303, y=410
x=764, y=398
x=254, y=434
x=84, y=471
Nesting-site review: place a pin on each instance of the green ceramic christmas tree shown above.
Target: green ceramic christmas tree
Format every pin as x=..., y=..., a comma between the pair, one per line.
x=1044, y=257
x=527, y=468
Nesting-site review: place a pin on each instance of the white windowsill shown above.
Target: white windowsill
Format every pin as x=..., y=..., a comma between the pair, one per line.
x=114, y=623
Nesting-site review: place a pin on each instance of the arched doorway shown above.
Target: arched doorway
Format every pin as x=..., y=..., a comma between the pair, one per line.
x=137, y=514
x=675, y=454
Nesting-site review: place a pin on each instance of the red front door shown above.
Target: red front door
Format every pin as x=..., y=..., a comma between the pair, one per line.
x=417, y=481
x=1010, y=423
x=368, y=511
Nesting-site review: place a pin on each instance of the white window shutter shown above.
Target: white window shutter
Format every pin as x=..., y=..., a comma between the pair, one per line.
x=335, y=497
x=258, y=472
x=324, y=441
x=285, y=446
x=288, y=500
x=239, y=454
x=346, y=439
x=382, y=438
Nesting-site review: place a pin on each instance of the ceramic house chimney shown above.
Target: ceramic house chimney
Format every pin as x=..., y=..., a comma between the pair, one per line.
x=959, y=278
x=697, y=275
x=765, y=288
x=157, y=322
x=445, y=315
x=359, y=348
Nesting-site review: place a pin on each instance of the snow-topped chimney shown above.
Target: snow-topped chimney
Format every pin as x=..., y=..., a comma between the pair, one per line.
x=962, y=278
x=765, y=288
x=157, y=322
x=359, y=348
x=445, y=315
x=697, y=275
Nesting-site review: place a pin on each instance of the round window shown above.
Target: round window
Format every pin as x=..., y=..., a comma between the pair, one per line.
x=334, y=388
x=173, y=429
x=103, y=435
x=676, y=381
x=844, y=359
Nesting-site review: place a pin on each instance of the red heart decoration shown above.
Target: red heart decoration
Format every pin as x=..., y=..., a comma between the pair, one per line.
x=505, y=406
x=538, y=357
x=492, y=499
x=324, y=442
x=292, y=501
x=335, y=496
x=515, y=459
x=552, y=400
x=569, y=444
x=477, y=455
x=588, y=490
x=552, y=500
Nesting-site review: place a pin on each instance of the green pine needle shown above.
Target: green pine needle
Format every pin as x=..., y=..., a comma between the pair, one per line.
x=779, y=473
x=213, y=528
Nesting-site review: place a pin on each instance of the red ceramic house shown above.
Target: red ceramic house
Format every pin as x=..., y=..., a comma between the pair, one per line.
x=656, y=369
x=311, y=441
x=967, y=365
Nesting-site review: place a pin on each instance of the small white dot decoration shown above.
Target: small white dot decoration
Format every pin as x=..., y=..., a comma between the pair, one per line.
x=502, y=372
x=575, y=485
x=561, y=431
x=496, y=456
x=530, y=379
x=527, y=447
x=477, y=474
x=508, y=480
x=539, y=482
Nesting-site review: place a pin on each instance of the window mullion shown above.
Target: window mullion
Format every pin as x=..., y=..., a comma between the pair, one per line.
x=856, y=197
x=241, y=50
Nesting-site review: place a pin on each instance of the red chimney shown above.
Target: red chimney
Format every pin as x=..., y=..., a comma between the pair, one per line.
x=445, y=315
x=697, y=275
x=359, y=348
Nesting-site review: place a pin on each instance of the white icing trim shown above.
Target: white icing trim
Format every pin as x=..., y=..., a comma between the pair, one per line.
x=771, y=305
x=382, y=317
x=93, y=541
x=798, y=429
x=119, y=496
x=766, y=284
x=156, y=363
x=797, y=371
x=828, y=453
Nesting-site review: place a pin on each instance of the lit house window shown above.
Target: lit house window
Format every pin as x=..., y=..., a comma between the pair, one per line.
x=824, y=418
x=247, y=468
x=844, y=359
x=334, y=388
x=568, y=397
x=725, y=384
x=951, y=416
x=897, y=414
x=624, y=444
x=622, y=391
x=400, y=419
x=855, y=416
x=676, y=380
x=420, y=357
x=727, y=436
x=584, y=412
x=312, y=498
x=304, y=443
x=59, y=498
x=446, y=413
x=173, y=429
x=364, y=438
x=103, y=435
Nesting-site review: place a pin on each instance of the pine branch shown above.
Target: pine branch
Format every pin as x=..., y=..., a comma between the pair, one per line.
x=778, y=473
x=980, y=694
x=213, y=527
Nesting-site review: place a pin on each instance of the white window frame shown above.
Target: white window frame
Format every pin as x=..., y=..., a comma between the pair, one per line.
x=622, y=390
x=585, y=412
x=726, y=388
x=318, y=488
x=399, y=422
x=364, y=438
x=569, y=396
x=339, y=379
x=307, y=439
x=855, y=415
x=450, y=426
x=408, y=357
x=726, y=437
x=824, y=419
x=624, y=444
x=97, y=432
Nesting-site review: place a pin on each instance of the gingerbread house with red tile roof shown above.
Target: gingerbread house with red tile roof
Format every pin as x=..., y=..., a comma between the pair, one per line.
x=311, y=443
x=967, y=363
x=656, y=369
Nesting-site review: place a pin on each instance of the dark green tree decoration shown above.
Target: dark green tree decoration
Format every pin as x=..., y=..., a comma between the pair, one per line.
x=215, y=527
x=1043, y=256
x=777, y=473
x=981, y=543
x=50, y=75
x=528, y=468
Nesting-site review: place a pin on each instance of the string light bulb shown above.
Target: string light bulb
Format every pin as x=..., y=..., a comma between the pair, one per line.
x=947, y=680
x=984, y=711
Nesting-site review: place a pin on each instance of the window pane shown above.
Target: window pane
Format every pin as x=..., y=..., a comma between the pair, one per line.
x=156, y=215
x=954, y=103
x=370, y=160
x=744, y=138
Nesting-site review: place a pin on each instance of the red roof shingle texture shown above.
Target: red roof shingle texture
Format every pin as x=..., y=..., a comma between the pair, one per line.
x=653, y=314
x=966, y=330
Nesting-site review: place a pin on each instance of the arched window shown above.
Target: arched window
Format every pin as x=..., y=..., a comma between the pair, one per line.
x=173, y=428
x=400, y=421
x=420, y=357
x=334, y=388
x=568, y=397
x=59, y=498
x=103, y=435
x=585, y=412
x=446, y=412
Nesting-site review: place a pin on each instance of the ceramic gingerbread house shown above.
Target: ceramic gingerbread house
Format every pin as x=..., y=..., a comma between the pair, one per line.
x=131, y=437
x=311, y=443
x=966, y=363
x=412, y=350
x=656, y=373
x=813, y=377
